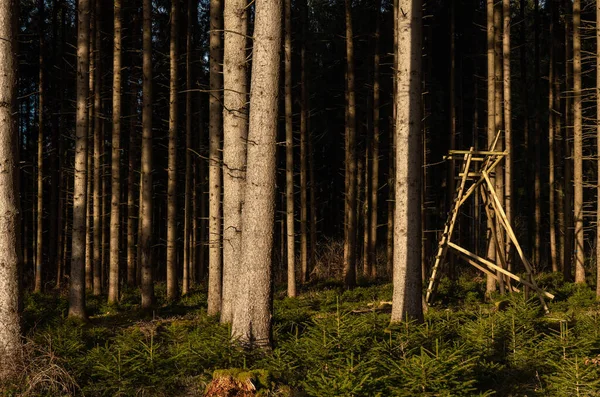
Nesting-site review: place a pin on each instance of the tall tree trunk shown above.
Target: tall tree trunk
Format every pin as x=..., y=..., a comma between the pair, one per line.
x=235, y=128
x=215, y=259
x=598, y=146
x=304, y=253
x=98, y=143
x=578, y=146
x=498, y=118
x=559, y=195
x=313, y=197
x=508, y=146
x=10, y=244
x=115, y=227
x=252, y=319
x=172, y=284
x=568, y=163
x=132, y=211
x=372, y=248
x=40, y=155
x=350, y=143
x=491, y=124
x=551, y=142
x=392, y=146
x=529, y=164
x=451, y=185
x=62, y=214
x=77, y=279
x=145, y=237
x=289, y=152
x=187, y=216
x=89, y=235
x=537, y=189
x=364, y=208
x=407, y=300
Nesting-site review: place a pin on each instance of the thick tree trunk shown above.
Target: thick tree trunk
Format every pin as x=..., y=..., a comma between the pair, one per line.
x=172, y=284
x=77, y=279
x=235, y=127
x=115, y=226
x=578, y=146
x=145, y=237
x=289, y=152
x=39, y=256
x=215, y=258
x=407, y=299
x=252, y=319
x=10, y=244
x=350, y=143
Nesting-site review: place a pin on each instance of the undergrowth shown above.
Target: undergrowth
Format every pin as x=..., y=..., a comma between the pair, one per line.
x=327, y=342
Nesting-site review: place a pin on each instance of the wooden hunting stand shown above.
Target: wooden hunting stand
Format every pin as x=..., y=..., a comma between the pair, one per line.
x=478, y=169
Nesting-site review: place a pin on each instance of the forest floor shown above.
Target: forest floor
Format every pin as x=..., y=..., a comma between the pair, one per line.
x=327, y=342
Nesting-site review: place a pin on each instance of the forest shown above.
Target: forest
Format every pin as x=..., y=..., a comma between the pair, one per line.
x=299, y=198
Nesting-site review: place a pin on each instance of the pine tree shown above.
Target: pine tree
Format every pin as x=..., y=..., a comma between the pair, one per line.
x=77, y=279
x=252, y=318
x=10, y=244
x=407, y=223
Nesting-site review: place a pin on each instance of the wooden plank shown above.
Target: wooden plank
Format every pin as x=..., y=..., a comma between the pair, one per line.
x=479, y=152
x=474, y=186
x=448, y=229
x=491, y=265
x=491, y=216
x=513, y=237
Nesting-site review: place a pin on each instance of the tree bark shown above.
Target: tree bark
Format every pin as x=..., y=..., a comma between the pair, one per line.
x=598, y=146
x=304, y=253
x=10, y=244
x=391, y=161
x=372, y=254
x=407, y=299
x=499, y=121
x=115, y=226
x=98, y=143
x=568, y=164
x=235, y=128
x=172, y=284
x=289, y=152
x=39, y=258
x=252, y=318
x=187, y=233
x=551, y=142
x=350, y=143
x=215, y=258
x=145, y=236
x=77, y=280
x=537, y=188
x=491, y=124
x=508, y=145
x=578, y=146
